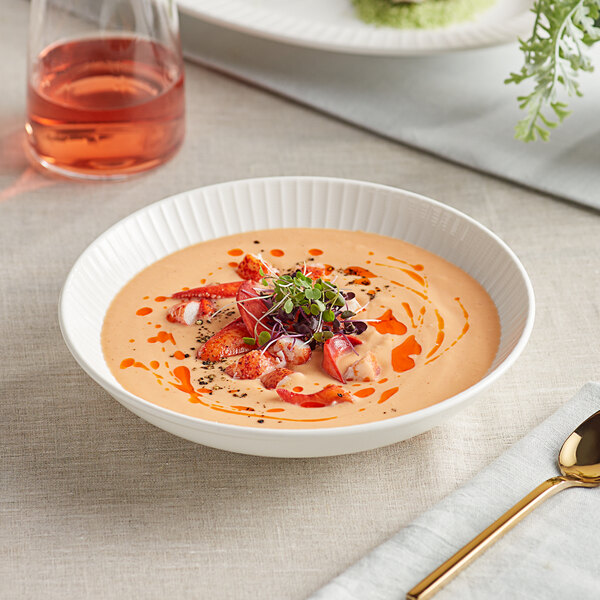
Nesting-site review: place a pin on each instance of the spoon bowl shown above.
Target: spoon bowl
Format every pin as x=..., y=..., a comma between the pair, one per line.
x=579, y=457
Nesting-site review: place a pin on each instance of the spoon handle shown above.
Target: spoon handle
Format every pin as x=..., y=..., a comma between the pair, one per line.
x=445, y=572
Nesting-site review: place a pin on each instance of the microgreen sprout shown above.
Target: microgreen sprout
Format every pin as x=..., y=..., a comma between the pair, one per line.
x=263, y=338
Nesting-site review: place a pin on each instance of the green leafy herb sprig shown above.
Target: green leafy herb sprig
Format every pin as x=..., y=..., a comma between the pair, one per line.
x=555, y=54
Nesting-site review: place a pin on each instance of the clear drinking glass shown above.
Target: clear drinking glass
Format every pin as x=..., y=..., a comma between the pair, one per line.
x=105, y=86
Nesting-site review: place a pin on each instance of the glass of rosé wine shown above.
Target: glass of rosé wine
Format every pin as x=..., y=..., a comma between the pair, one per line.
x=105, y=95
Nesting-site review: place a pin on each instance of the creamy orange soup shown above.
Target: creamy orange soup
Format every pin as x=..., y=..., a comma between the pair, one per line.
x=432, y=328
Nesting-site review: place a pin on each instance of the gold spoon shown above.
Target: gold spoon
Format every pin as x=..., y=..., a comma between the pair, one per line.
x=579, y=463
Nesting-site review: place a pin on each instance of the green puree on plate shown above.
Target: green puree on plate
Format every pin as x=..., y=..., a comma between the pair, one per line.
x=424, y=15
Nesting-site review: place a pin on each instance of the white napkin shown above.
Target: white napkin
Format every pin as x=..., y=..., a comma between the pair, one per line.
x=454, y=105
x=553, y=554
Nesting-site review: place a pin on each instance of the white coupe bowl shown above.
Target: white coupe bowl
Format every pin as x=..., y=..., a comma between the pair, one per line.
x=228, y=208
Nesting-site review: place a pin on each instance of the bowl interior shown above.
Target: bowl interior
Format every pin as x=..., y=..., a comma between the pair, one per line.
x=224, y=209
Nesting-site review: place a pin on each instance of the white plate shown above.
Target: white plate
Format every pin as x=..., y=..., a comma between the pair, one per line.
x=169, y=225
x=333, y=25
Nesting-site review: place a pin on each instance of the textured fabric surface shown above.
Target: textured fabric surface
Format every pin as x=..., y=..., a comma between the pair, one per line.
x=454, y=105
x=96, y=503
x=554, y=553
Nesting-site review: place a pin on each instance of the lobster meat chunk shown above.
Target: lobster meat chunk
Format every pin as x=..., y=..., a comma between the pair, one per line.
x=229, y=341
x=215, y=290
x=252, y=308
x=251, y=266
x=364, y=369
x=335, y=347
x=189, y=311
x=271, y=379
x=251, y=365
x=330, y=394
x=290, y=351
